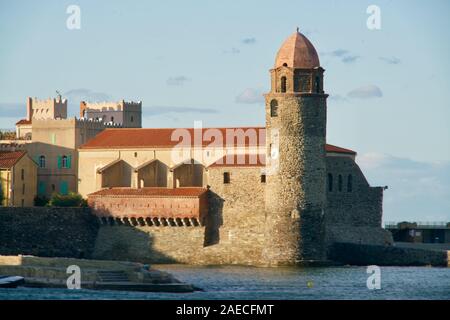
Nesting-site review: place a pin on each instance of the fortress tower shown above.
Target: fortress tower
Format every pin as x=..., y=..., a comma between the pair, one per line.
x=295, y=198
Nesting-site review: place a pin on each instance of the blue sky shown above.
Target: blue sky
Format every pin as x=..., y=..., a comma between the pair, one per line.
x=209, y=61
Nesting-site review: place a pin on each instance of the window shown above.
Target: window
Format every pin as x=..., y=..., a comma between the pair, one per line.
x=112, y=119
x=22, y=174
x=349, y=183
x=263, y=178
x=340, y=183
x=330, y=182
x=135, y=154
x=64, y=161
x=285, y=64
x=42, y=162
x=274, y=108
x=131, y=119
x=283, y=84
x=23, y=188
x=317, y=84
x=226, y=177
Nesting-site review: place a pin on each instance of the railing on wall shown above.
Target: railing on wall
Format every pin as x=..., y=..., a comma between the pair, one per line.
x=417, y=224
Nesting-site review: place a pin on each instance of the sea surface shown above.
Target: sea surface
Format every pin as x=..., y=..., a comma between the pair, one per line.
x=236, y=282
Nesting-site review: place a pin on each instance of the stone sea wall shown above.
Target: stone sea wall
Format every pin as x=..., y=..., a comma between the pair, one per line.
x=47, y=232
x=356, y=254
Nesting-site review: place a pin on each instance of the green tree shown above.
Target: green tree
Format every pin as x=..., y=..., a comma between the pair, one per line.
x=70, y=200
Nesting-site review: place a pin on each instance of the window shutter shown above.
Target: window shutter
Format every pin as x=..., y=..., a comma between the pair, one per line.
x=69, y=162
x=63, y=188
x=41, y=188
x=59, y=162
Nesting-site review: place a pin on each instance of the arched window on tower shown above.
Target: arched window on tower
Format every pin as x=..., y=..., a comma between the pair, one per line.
x=340, y=183
x=274, y=108
x=349, y=183
x=317, y=85
x=283, y=84
x=330, y=182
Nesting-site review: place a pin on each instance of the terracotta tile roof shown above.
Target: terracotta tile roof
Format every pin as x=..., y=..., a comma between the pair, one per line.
x=23, y=121
x=336, y=149
x=161, y=138
x=236, y=161
x=9, y=159
x=145, y=138
x=297, y=52
x=151, y=192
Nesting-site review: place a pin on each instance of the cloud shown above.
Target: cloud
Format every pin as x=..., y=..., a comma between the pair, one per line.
x=177, y=81
x=160, y=110
x=249, y=40
x=232, y=51
x=339, y=53
x=250, y=96
x=390, y=60
x=77, y=95
x=418, y=190
x=350, y=59
x=337, y=98
x=342, y=54
x=366, y=92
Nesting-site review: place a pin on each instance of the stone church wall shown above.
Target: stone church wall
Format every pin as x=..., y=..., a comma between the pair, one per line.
x=353, y=212
x=233, y=233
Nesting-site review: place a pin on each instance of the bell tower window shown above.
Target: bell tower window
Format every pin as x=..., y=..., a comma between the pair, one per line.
x=274, y=108
x=283, y=84
x=317, y=84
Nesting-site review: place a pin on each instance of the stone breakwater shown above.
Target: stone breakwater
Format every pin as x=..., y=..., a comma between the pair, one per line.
x=359, y=254
x=94, y=274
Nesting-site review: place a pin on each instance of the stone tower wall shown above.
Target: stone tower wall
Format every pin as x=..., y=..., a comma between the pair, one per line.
x=295, y=193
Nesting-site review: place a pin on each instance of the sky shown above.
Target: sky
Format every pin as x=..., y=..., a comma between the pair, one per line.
x=210, y=60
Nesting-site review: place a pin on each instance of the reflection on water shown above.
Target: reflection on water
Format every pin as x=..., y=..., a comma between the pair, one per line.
x=235, y=282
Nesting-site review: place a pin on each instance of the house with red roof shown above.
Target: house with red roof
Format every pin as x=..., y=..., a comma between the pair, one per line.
x=18, y=179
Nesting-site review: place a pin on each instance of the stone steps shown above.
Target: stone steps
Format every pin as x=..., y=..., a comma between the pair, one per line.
x=112, y=276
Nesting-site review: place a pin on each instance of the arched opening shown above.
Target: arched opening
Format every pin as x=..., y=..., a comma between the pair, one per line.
x=274, y=108
x=330, y=182
x=317, y=84
x=152, y=174
x=285, y=64
x=340, y=183
x=42, y=162
x=349, y=183
x=188, y=174
x=283, y=84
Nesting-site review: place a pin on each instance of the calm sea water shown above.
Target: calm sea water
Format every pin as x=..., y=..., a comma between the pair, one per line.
x=233, y=282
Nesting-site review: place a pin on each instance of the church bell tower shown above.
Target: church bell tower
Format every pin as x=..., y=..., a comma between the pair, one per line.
x=296, y=170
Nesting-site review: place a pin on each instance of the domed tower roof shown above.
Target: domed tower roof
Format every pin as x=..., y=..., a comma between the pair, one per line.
x=297, y=52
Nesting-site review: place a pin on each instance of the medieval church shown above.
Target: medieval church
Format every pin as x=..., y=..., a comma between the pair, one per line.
x=278, y=196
